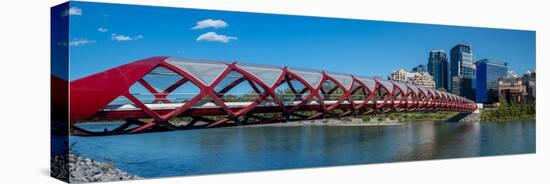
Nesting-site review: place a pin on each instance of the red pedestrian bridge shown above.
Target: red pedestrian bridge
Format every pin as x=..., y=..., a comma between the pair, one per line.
x=164, y=93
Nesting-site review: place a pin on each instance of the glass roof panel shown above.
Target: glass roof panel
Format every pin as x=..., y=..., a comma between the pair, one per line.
x=430, y=91
x=267, y=74
x=439, y=93
x=413, y=87
x=423, y=90
x=435, y=92
x=205, y=71
x=345, y=80
x=310, y=76
x=386, y=84
x=368, y=81
x=401, y=85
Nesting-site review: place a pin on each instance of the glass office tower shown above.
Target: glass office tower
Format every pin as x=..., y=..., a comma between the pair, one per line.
x=487, y=73
x=463, y=79
x=420, y=68
x=438, y=68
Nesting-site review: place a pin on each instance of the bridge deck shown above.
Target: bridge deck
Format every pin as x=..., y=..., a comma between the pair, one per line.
x=171, y=106
x=120, y=112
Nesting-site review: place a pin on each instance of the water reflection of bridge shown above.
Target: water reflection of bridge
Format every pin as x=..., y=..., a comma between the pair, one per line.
x=153, y=93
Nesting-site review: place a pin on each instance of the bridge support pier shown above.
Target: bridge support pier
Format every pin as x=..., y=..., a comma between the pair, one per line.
x=465, y=117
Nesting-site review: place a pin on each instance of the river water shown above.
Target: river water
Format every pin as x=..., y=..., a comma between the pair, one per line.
x=239, y=149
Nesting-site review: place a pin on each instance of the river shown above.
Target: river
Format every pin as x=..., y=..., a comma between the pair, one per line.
x=239, y=149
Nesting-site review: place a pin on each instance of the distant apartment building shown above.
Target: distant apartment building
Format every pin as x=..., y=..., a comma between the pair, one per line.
x=529, y=81
x=462, y=71
x=512, y=89
x=399, y=75
x=487, y=74
x=420, y=68
x=438, y=68
x=422, y=79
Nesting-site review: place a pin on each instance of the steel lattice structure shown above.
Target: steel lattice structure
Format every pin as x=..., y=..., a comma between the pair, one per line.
x=277, y=94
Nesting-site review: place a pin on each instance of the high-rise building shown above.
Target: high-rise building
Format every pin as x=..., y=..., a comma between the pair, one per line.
x=529, y=81
x=438, y=68
x=463, y=71
x=487, y=74
x=420, y=68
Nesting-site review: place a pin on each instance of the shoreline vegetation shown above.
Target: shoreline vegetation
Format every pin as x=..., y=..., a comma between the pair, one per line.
x=369, y=120
x=328, y=122
x=510, y=111
x=409, y=116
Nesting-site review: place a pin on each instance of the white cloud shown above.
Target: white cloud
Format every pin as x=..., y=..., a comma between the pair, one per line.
x=80, y=41
x=120, y=38
x=209, y=23
x=72, y=12
x=214, y=37
x=102, y=29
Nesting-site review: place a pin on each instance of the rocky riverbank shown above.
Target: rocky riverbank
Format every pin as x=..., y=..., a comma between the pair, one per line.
x=77, y=169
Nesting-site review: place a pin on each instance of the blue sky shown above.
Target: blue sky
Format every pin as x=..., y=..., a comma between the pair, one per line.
x=103, y=36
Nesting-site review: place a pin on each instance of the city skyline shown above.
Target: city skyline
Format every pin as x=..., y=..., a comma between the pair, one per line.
x=108, y=36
